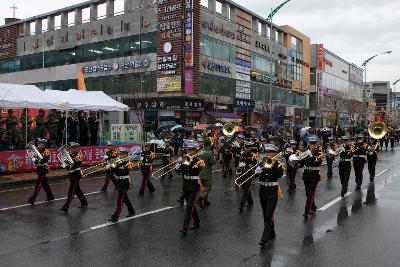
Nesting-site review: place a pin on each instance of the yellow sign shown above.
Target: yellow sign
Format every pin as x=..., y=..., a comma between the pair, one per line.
x=169, y=84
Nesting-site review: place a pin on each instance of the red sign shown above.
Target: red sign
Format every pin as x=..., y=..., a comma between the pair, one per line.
x=8, y=42
x=320, y=51
x=18, y=161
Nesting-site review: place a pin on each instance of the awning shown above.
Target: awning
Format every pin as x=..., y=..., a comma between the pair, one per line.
x=225, y=117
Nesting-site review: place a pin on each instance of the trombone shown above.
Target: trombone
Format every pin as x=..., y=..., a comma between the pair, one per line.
x=266, y=163
x=112, y=163
x=185, y=159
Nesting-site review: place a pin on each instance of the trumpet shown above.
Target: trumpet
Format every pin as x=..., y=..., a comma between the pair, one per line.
x=266, y=163
x=335, y=152
x=185, y=159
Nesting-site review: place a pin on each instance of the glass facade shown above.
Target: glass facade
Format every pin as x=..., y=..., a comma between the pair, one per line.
x=262, y=63
x=111, y=85
x=279, y=96
x=295, y=70
x=217, y=85
x=332, y=82
x=120, y=47
x=218, y=49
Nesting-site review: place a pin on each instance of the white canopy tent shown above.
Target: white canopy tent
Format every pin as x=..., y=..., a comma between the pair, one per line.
x=26, y=96
x=87, y=100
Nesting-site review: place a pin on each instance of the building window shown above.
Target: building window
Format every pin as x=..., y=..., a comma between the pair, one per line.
x=118, y=7
x=204, y=3
x=218, y=7
x=212, y=47
x=44, y=25
x=57, y=22
x=85, y=15
x=259, y=28
x=102, y=11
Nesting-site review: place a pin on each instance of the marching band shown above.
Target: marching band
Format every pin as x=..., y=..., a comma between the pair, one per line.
x=254, y=157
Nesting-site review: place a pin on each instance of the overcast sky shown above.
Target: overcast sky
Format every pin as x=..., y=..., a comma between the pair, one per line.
x=353, y=29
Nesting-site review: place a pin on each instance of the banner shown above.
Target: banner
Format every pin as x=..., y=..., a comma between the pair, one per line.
x=126, y=133
x=18, y=161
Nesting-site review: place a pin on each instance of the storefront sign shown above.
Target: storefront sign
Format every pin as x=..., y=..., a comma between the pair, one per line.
x=320, y=52
x=167, y=63
x=126, y=133
x=169, y=84
x=244, y=70
x=134, y=64
x=215, y=66
x=170, y=8
x=243, y=90
x=305, y=64
x=262, y=46
x=246, y=106
x=243, y=63
x=241, y=35
x=188, y=34
x=259, y=77
x=18, y=161
x=181, y=103
x=188, y=82
x=243, y=77
x=217, y=29
x=8, y=42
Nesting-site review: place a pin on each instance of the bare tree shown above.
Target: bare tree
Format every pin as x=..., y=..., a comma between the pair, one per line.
x=355, y=110
x=335, y=102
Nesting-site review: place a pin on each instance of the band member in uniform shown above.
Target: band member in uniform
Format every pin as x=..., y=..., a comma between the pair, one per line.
x=190, y=170
x=42, y=169
x=227, y=155
x=291, y=170
x=359, y=159
x=168, y=151
x=111, y=154
x=206, y=173
x=238, y=149
x=74, y=176
x=391, y=139
x=247, y=161
x=123, y=183
x=330, y=157
x=386, y=140
x=269, y=189
x=372, y=157
x=345, y=164
x=311, y=174
x=147, y=158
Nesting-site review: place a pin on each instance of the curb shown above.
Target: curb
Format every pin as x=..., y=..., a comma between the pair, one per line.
x=9, y=183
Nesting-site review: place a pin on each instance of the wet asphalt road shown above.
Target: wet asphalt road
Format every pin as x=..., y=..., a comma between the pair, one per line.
x=360, y=230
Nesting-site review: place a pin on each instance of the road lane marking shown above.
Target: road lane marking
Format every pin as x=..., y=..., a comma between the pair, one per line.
x=130, y=218
x=43, y=202
x=217, y=170
x=382, y=172
x=333, y=202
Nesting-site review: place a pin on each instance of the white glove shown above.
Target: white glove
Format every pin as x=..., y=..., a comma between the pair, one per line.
x=258, y=170
x=105, y=157
x=309, y=153
x=242, y=165
x=108, y=166
x=141, y=158
x=177, y=166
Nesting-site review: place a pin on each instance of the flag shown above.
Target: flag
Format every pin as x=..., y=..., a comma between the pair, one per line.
x=81, y=81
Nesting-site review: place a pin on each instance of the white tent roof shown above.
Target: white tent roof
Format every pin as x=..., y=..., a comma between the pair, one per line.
x=90, y=100
x=26, y=96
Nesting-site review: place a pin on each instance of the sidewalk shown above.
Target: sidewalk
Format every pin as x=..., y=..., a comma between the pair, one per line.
x=29, y=178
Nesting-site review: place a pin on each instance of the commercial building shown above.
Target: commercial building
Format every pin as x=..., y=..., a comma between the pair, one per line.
x=381, y=93
x=169, y=60
x=336, y=87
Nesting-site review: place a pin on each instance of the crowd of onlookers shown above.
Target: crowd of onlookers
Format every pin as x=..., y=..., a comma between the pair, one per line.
x=82, y=127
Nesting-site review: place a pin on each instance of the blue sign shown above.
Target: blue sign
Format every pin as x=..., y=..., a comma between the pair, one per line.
x=243, y=63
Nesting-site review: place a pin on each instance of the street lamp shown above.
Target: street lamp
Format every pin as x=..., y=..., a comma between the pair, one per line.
x=364, y=64
x=394, y=84
x=269, y=18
